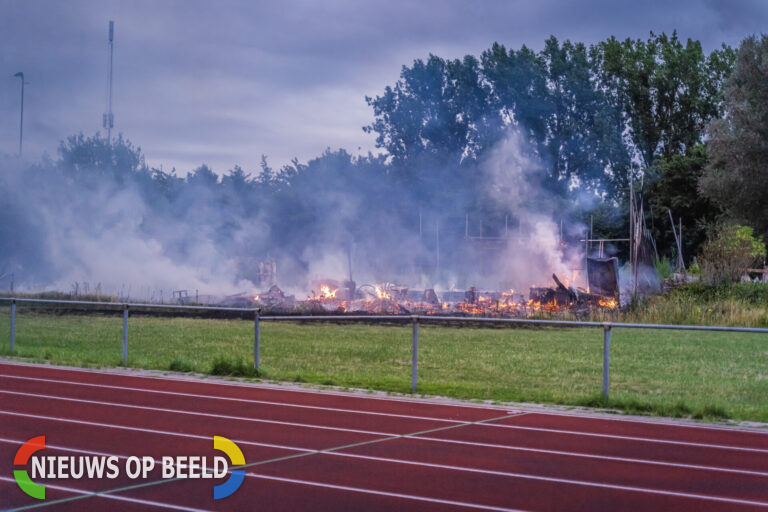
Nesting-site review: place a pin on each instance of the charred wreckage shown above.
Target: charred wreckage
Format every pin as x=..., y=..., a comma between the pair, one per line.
x=333, y=296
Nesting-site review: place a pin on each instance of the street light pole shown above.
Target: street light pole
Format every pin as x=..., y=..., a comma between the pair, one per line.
x=21, y=123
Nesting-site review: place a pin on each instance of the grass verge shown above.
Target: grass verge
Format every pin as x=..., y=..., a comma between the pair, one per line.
x=670, y=373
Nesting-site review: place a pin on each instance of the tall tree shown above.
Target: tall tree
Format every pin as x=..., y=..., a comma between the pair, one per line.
x=737, y=177
x=674, y=188
x=669, y=91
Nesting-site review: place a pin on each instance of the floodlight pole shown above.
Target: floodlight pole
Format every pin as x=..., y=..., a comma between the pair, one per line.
x=108, y=120
x=21, y=122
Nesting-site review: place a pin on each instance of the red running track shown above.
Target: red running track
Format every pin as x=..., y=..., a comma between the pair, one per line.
x=312, y=450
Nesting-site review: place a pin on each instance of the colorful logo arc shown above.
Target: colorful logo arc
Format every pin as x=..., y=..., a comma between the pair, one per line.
x=237, y=476
x=21, y=475
x=219, y=491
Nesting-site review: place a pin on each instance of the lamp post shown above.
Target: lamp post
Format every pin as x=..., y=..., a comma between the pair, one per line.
x=21, y=122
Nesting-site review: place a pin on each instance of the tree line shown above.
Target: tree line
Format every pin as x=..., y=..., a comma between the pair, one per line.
x=686, y=128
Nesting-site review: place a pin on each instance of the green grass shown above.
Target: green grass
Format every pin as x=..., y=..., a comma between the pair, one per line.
x=739, y=304
x=671, y=373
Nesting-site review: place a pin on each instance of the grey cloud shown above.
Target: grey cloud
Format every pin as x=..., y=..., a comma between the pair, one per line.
x=227, y=81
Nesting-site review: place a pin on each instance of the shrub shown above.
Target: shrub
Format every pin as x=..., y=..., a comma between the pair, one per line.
x=728, y=252
x=180, y=365
x=233, y=368
x=663, y=268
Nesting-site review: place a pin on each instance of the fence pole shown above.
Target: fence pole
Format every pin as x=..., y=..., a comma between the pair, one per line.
x=256, y=339
x=125, y=336
x=606, y=357
x=13, y=323
x=415, y=353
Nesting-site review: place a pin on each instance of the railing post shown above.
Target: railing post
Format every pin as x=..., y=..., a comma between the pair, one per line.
x=13, y=323
x=606, y=357
x=415, y=353
x=256, y=339
x=125, y=336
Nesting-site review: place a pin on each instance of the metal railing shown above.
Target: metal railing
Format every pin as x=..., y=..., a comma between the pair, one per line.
x=413, y=319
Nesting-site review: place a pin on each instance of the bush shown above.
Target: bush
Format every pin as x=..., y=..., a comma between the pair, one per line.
x=728, y=252
x=180, y=365
x=232, y=368
x=663, y=268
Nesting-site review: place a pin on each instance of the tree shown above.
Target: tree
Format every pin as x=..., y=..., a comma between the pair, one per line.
x=674, y=187
x=736, y=177
x=584, y=142
x=518, y=81
x=91, y=157
x=669, y=91
x=438, y=108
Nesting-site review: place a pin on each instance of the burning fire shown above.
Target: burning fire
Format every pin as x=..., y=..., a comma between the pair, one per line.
x=325, y=293
x=398, y=300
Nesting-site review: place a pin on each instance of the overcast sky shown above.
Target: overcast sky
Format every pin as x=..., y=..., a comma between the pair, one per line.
x=223, y=82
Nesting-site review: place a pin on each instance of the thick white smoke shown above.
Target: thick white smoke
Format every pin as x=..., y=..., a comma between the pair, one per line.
x=536, y=249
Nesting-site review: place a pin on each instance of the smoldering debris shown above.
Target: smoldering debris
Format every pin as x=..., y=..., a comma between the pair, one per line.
x=392, y=299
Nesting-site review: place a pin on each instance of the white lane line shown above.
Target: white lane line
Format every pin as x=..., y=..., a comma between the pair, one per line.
x=233, y=399
x=145, y=430
x=109, y=496
x=484, y=445
x=593, y=456
x=302, y=482
x=192, y=413
x=417, y=438
x=631, y=438
x=465, y=469
x=594, y=484
x=261, y=385
x=382, y=493
x=358, y=431
x=422, y=438
x=645, y=421
x=290, y=480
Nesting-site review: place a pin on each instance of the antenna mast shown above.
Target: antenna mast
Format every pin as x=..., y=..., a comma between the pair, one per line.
x=108, y=120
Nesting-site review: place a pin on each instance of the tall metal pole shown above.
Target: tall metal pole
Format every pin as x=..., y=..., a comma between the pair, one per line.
x=125, y=335
x=415, y=354
x=13, y=324
x=109, y=119
x=21, y=122
x=606, y=358
x=256, y=340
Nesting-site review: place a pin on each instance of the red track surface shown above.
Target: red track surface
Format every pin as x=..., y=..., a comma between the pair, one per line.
x=407, y=454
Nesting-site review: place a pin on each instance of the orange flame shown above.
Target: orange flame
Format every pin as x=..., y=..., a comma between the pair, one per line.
x=326, y=292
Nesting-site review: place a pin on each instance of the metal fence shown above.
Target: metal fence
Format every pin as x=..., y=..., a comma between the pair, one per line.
x=415, y=320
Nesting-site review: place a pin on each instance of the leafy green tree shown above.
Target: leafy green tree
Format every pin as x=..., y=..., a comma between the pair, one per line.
x=674, y=187
x=83, y=156
x=669, y=91
x=736, y=177
x=438, y=108
x=584, y=143
x=518, y=81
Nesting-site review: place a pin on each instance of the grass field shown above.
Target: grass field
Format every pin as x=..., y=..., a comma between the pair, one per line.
x=671, y=373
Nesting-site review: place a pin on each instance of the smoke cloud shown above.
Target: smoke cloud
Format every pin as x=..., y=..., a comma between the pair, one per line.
x=98, y=219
